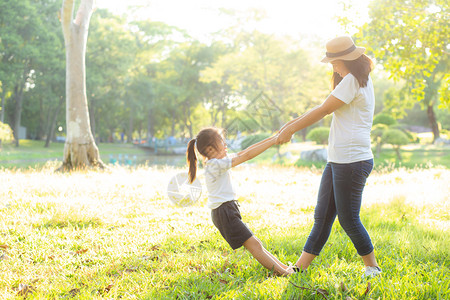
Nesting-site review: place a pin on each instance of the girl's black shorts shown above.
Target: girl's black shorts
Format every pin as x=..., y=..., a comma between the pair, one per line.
x=227, y=218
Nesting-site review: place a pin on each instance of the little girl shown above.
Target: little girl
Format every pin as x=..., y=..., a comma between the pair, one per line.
x=221, y=195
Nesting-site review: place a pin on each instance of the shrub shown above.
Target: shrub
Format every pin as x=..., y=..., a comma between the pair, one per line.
x=319, y=135
x=376, y=135
x=396, y=138
x=409, y=135
x=384, y=119
x=252, y=139
x=6, y=134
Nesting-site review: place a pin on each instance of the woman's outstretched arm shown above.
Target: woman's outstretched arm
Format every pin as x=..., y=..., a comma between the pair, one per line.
x=307, y=119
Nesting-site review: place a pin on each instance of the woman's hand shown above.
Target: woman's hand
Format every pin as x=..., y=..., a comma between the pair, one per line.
x=283, y=136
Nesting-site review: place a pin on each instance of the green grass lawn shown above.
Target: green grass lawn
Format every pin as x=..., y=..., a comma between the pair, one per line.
x=115, y=235
x=413, y=156
x=416, y=156
x=32, y=154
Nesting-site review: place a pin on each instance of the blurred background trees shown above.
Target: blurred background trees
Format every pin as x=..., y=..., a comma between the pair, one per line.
x=411, y=40
x=149, y=79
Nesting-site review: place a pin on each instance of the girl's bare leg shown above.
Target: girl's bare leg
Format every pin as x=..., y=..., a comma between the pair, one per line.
x=275, y=259
x=254, y=246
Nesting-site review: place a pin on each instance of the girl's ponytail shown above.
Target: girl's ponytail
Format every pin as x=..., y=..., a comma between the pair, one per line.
x=191, y=159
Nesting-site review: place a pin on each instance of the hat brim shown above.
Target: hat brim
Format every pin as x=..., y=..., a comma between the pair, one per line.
x=351, y=56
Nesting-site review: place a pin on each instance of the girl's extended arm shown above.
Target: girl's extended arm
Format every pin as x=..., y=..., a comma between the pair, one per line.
x=253, y=150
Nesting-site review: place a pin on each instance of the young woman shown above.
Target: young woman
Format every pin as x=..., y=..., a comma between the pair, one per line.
x=350, y=159
x=225, y=213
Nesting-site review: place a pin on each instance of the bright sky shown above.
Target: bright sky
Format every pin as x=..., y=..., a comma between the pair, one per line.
x=296, y=18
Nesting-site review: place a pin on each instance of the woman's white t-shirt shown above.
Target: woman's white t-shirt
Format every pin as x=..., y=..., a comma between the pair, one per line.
x=218, y=181
x=349, y=139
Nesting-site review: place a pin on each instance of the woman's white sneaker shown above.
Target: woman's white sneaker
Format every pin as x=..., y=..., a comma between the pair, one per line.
x=372, y=271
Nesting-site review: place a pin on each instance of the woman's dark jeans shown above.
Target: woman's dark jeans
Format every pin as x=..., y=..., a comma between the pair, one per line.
x=340, y=193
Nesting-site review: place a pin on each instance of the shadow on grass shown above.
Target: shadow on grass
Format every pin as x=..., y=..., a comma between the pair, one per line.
x=414, y=258
x=69, y=219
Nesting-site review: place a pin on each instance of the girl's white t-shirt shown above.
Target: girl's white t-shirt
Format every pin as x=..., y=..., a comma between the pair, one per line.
x=349, y=139
x=218, y=181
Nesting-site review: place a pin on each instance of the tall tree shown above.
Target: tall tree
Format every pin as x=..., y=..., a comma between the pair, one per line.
x=43, y=103
x=80, y=150
x=278, y=68
x=109, y=57
x=21, y=27
x=411, y=40
x=154, y=41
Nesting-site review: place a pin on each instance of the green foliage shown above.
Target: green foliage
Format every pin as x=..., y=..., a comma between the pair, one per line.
x=384, y=119
x=378, y=130
x=376, y=136
x=253, y=139
x=319, y=135
x=415, y=58
x=6, y=134
x=261, y=63
x=148, y=78
x=397, y=101
x=410, y=39
x=446, y=133
x=395, y=137
x=243, y=123
x=443, y=116
x=382, y=86
x=412, y=138
x=444, y=92
x=32, y=60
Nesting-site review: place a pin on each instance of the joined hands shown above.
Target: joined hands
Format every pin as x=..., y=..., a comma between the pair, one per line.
x=283, y=136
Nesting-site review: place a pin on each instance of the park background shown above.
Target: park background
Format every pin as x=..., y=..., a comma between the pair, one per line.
x=157, y=72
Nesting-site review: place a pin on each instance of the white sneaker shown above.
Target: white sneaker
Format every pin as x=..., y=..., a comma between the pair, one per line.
x=372, y=271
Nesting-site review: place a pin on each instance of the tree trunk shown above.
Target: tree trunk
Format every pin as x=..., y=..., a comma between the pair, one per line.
x=187, y=119
x=224, y=115
x=379, y=144
x=18, y=112
x=150, y=124
x=80, y=150
x=304, y=132
x=91, y=112
x=52, y=123
x=2, y=108
x=432, y=120
x=40, y=132
x=213, y=113
x=130, y=125
x=172, y=130
x=397, y=151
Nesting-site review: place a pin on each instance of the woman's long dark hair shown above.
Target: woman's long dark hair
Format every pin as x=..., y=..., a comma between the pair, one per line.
x=206, y=137
x=360, y=68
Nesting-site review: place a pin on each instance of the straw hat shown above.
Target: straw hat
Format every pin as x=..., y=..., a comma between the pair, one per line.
x=342, y=48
